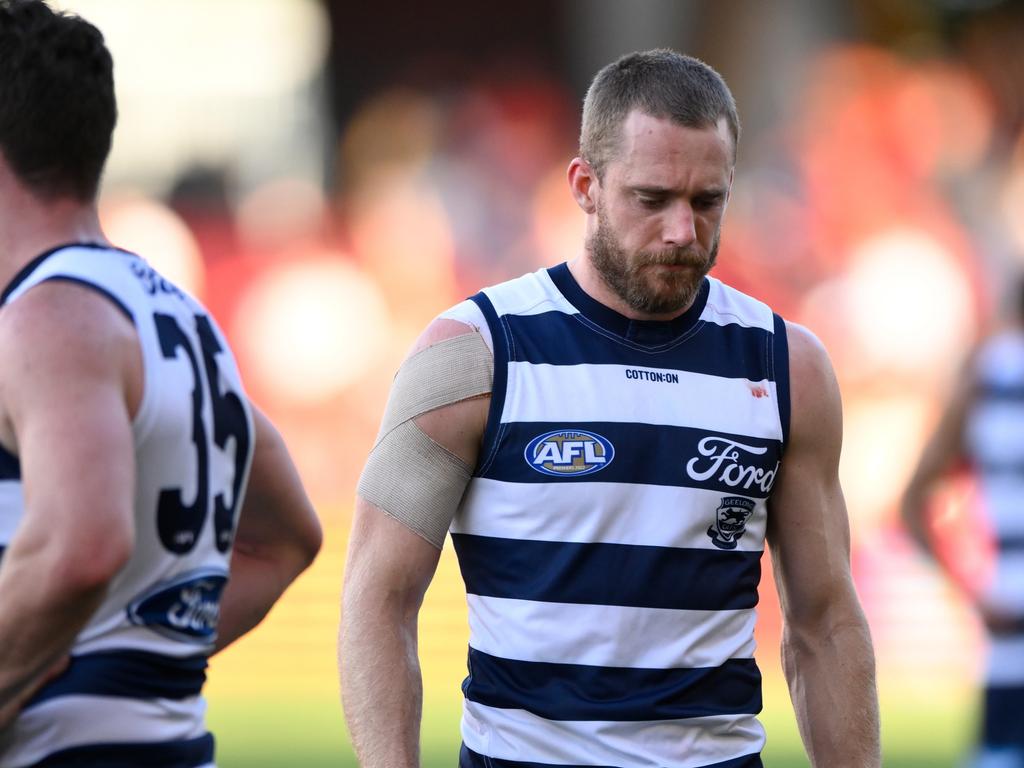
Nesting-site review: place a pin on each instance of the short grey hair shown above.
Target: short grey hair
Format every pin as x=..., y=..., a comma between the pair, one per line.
x=660, y=83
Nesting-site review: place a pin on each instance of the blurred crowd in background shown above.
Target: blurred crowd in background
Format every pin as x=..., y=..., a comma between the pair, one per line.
x=329, y=175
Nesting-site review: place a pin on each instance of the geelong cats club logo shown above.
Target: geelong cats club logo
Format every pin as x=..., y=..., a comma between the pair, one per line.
x=730, y=521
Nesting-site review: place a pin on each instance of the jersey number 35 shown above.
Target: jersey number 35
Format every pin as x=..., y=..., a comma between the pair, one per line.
x=179, y=524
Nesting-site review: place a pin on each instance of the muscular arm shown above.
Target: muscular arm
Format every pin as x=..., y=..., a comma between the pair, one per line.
x=942, y=453
x=388, y=571
x=72, y=367
x=826, y=647
x=278, y=536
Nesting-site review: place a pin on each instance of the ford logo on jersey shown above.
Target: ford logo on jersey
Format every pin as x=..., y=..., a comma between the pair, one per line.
x=569, y=452
x=186, y=608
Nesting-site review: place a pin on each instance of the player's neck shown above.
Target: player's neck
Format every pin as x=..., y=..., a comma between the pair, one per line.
x=29, y=227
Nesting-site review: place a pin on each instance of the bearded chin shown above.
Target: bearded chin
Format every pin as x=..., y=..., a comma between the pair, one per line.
x=641, y=288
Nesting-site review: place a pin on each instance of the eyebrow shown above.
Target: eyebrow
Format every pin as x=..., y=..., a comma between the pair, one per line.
x=654, y=190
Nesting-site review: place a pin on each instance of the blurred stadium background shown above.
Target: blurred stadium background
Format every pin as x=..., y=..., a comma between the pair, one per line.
x=328, y=175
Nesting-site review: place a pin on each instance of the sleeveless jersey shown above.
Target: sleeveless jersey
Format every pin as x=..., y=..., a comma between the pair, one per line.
x=994, y=440
x=131, y=695
x=611, y=536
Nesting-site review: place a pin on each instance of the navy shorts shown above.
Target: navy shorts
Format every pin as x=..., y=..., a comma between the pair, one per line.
x=1003, y=717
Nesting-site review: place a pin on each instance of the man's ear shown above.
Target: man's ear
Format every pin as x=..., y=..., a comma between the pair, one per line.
x=584, y=184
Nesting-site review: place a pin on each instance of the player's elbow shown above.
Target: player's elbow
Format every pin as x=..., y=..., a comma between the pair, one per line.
x=820, y=621
x=912, y=511
x=912, y=502
x=86, y=566
x=304, y=542
x=287, y=540
x=309, y=538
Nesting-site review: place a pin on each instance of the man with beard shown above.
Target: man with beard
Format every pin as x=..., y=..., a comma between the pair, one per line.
x=579, y=431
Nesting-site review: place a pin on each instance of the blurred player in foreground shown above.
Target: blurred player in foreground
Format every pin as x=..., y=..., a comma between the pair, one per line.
x=609, y=441
x=126, y=442
x=983, y=426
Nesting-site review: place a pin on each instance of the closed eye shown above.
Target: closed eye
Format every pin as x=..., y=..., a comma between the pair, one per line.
x=708, y=202
x=651, y=202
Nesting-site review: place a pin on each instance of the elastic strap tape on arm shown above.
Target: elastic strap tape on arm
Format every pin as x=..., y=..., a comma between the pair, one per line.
x=416, y=481
x=408, y=475
x=444, y=373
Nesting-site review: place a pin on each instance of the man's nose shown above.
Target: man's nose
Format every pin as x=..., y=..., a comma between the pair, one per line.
x=679, y=228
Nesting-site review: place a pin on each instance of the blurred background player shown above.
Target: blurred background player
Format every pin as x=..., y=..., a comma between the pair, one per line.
x=126, y=442
x=604, y=438
x=983, y=426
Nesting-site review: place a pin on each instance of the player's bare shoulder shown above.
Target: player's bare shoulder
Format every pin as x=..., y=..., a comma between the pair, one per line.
x=808, y=358
x=441, y=329
x=59, y=333
x=452, y=366
x=813, y=385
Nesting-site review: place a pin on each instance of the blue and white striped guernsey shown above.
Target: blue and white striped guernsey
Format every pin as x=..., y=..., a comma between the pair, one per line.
x=994, y=439
x=611, y=536
x=132, y=693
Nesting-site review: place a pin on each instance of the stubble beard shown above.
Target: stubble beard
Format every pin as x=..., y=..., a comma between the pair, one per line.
x=650, y=291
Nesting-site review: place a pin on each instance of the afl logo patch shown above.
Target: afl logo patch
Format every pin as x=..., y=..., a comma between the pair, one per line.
x=569, y=453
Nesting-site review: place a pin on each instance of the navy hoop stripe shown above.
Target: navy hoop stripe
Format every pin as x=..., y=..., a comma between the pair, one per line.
x=608, y=574
x=10, y=466
x=165, y=754
x=657, y=455
x=554, y=338
x=128, y=674
x=582, y=692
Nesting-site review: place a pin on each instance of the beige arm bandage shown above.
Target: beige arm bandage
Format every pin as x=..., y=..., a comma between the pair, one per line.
x=408, y=475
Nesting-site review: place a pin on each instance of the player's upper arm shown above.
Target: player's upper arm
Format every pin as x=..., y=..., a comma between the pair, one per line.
x=431, y=432
x=808, y=529
x=73, y=373
x=276, y=513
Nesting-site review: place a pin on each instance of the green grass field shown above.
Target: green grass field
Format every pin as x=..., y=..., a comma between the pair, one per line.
x=273, y=697
x=311, y=733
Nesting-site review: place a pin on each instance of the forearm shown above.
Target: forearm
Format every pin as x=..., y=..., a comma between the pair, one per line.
x=381, y=685
x=258, y=579
x=830, y=668
x=912, y=512
x=41, y=613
